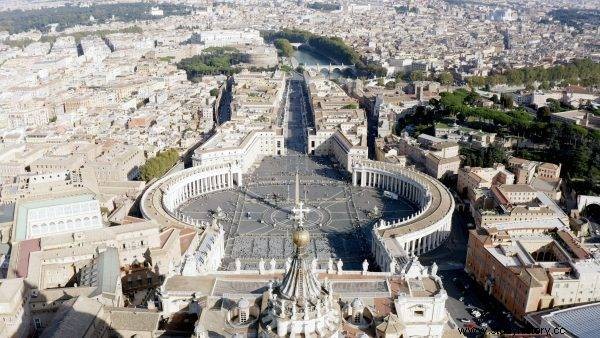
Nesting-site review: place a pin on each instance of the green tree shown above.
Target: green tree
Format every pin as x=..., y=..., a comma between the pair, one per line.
x=417, y=75
x=494, y=154
x=543, y=114
x=554, y=105
x=506, y=100
x=580, y=161
x=158, y=165
x=545, y=85
x=284, y=47
x=446, y=78
x=476, y=81
x=399, y=76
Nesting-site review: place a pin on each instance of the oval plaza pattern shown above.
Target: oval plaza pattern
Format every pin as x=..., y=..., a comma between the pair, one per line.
x=415, y=234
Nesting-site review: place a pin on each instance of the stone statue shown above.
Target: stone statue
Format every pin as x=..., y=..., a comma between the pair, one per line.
x=294, y=310
x=219, y=214
x=393, y=266
x=339, y=264
x=434, y=269
x=365, y=266
x=273, y=264
x=261, y=266
x=238, y=264
x=329, y=265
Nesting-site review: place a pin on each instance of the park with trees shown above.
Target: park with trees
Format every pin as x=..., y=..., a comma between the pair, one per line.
x=212, y=61
x=583, y=72
x=323, y=6
x=576, y=147
x=17, y=21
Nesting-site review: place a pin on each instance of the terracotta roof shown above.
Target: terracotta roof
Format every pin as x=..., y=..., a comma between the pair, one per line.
x=164, y=236
x=186, y=236
x=130, y=219
x=25, y=249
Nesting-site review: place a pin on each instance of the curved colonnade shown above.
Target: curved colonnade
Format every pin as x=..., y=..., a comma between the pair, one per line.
x=392, y=241
x=161, y=201
x=418, y=233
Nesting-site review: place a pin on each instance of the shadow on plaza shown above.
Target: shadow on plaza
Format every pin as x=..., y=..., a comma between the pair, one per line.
x=263, y=200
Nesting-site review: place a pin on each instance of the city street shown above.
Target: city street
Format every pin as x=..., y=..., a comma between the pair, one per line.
x=464, y=294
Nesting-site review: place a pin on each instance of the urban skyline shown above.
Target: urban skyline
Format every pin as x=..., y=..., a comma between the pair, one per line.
x=275, y=168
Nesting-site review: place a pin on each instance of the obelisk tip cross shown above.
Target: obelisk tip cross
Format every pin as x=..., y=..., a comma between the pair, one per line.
x=299, y=209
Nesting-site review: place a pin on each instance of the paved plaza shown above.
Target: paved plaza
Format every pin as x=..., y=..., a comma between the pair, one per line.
x=258, y=216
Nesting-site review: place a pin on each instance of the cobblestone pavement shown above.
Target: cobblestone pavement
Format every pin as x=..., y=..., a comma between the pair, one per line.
x=258, y=220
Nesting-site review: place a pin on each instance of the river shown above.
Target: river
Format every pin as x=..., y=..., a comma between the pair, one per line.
x=307, y=57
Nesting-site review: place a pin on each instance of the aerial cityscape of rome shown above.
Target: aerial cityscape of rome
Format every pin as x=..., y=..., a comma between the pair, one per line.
x=299, y=168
